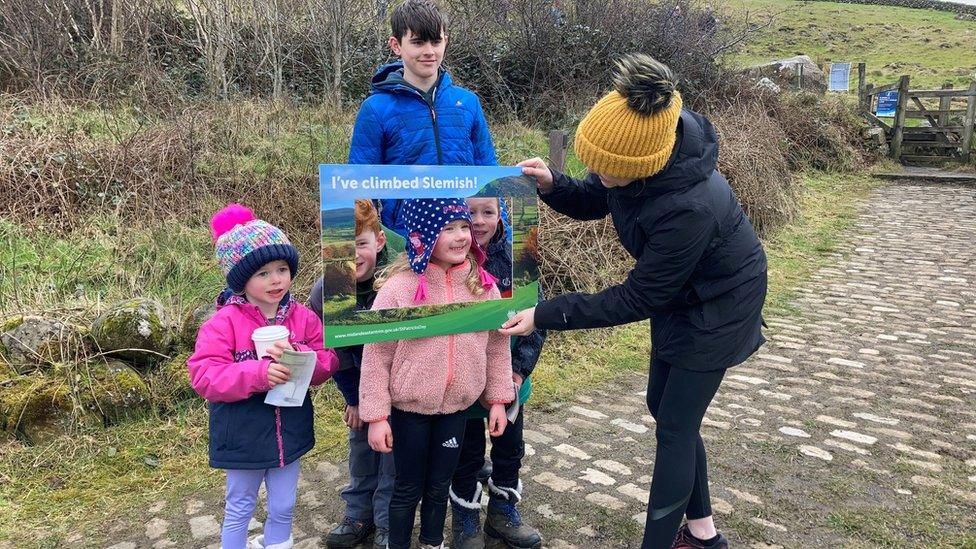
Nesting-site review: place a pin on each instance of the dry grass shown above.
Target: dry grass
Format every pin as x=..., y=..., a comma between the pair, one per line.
x=579, y=256
x=753, y=156
x=822, y=132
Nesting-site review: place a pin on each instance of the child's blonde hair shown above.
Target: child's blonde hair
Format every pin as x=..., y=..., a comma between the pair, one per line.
x=401, y=264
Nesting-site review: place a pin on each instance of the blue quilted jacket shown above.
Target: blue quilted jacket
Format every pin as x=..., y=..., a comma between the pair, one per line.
x=398, y=125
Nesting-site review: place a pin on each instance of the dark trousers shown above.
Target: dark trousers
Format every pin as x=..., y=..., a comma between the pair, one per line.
x=677, y=399
x=507, y=452
x=425, y=453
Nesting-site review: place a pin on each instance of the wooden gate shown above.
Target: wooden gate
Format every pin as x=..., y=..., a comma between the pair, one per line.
x=929, y=126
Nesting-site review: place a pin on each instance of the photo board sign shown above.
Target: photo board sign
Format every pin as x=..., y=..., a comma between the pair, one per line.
x=340, y=186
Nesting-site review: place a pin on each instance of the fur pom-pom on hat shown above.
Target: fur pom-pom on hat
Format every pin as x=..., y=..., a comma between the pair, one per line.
x=646, y=83
x=630, y=132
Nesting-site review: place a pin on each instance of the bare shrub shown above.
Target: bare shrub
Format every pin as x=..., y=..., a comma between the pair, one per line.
x=753, y=155
x=579, y=256
x=823, y=133
x=540, y=60
x=95, y=47
x=536, y=59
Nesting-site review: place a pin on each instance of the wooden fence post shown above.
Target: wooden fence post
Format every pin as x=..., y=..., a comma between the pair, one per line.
x=967, y=132
x=861, y=68
x=945, y=103
x=558, y=141
x=898, y=130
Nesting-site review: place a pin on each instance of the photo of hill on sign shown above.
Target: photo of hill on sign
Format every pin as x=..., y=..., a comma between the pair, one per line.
x=386, y=187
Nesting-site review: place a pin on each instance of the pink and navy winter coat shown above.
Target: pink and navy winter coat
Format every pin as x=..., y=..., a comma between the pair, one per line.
x=246, y=433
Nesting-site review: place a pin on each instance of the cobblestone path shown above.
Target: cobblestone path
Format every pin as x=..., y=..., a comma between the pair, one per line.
x=854, y=426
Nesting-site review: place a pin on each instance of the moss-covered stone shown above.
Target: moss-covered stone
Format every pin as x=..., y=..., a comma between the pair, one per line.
x=114, y=391
x=169, y=384
x=27, y=342
x=192, y=323
x=134, y=330
x=36, y=408
x=11, y=322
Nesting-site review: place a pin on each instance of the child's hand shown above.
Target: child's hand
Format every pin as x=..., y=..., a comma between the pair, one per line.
x=523, y=323
x=496, y=420
x=277, y=349
x=518, y=382
x=352, y=419
x=277, y=374
x=536, y=167
x=380, y=436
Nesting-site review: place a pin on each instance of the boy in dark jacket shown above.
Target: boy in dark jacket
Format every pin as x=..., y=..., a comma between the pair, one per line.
x=371, y=474
x=490, y=227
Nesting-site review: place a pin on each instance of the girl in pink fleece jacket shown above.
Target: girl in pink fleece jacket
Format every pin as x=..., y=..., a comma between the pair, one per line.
x=255, y=442
x=414, y=393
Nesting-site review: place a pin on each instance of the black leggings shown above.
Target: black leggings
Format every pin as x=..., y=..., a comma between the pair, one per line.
x=425, y=451
x=507, y=452
x=677, y=399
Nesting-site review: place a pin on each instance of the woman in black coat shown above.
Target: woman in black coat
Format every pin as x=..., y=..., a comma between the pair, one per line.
x=700, y=273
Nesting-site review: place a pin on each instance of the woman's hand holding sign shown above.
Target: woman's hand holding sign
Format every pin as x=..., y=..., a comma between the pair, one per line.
x=523, y=323
x=536, y=168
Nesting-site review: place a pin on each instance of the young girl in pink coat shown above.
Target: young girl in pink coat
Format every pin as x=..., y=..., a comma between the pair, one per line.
x=255, y=442
x=414, y=393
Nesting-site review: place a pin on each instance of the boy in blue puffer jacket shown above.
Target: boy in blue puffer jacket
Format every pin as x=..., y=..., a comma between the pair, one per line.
x=414, y=115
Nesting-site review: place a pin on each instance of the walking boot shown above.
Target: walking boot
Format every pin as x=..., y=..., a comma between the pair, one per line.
x=348, y=534
x=684, y=540
x=504, y=521
x=466, y=521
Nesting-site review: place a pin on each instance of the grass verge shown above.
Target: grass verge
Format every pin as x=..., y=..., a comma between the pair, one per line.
x=828, y=208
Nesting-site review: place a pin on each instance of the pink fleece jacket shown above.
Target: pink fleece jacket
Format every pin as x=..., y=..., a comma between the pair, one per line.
x=225, y=366
x=434, y=375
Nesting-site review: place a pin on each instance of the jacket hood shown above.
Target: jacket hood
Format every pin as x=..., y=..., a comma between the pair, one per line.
x=694, y=159
x=389, y=78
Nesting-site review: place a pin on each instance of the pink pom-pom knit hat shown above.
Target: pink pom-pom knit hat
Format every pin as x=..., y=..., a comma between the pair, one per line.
x=244, y=244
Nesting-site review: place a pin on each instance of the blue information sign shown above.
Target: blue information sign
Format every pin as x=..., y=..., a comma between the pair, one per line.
x=887, y=102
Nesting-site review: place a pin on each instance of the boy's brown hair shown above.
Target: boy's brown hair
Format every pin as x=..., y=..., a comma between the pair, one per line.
x=421, y=17
x=367, y=217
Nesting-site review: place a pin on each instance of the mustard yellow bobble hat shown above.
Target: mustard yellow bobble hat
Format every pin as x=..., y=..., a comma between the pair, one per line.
x=630, y=132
